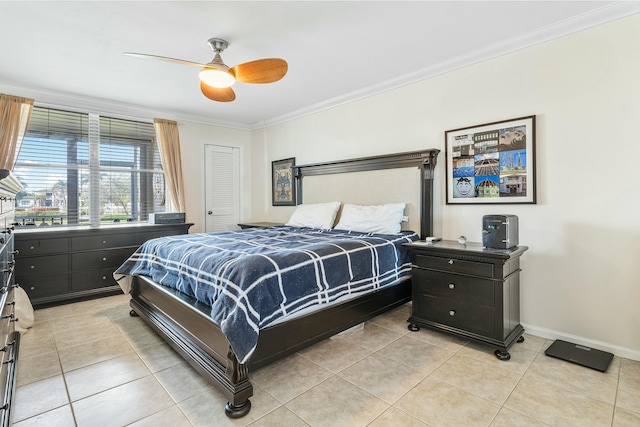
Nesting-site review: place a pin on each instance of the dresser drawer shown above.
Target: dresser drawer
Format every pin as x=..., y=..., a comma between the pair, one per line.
x=94, y=260
x=7, y=311
x=101, y=241
x=41, y=246
x=140, y=238
x=7, y=361
x=7, y=323
x=8, y=371
x=45, y=286
x=92, y=279
x=464, y=315
x=44, y=265
x=454, y=265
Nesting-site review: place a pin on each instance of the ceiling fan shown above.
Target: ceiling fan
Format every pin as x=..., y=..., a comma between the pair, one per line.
x=216, y=78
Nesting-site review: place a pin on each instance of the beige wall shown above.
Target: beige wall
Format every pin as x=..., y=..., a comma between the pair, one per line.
x=581, y=279
x=193, y=138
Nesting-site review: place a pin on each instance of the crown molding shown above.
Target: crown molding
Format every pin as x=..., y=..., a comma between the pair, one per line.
x=72, y=102
x=564, y=28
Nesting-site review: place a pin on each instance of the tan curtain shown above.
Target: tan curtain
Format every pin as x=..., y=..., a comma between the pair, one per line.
x=14, y=119
x=169, y=145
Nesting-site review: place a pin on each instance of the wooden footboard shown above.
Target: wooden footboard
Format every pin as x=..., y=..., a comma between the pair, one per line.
x=186, y=326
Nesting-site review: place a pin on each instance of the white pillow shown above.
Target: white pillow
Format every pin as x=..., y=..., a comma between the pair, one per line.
x=316, y=215
x=382, y=219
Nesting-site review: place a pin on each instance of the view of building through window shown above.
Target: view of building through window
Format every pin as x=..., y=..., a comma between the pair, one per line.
x=86, y=169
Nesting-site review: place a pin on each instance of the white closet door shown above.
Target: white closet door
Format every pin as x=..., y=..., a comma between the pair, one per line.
x=222, y=188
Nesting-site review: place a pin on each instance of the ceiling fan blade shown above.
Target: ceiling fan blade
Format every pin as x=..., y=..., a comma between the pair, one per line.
x=164, y=58
x=261, y=71
x=218, y=94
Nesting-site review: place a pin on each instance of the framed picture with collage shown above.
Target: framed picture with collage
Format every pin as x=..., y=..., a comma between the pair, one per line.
x=492, y=163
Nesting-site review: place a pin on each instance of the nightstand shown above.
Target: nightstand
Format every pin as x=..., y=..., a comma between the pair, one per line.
x=468, y=291
x=258, y=224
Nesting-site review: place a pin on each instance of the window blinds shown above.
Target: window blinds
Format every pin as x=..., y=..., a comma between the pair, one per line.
x=80, y=168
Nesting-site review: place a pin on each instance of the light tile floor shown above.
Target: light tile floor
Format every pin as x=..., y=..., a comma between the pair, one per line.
x=91, y=364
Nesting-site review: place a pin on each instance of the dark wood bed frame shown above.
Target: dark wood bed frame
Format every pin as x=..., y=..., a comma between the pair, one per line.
x=186, y=326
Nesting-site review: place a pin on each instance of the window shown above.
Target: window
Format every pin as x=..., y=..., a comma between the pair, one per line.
x=86, y=169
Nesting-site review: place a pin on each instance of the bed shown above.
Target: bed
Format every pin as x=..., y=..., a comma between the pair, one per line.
x=226, y=348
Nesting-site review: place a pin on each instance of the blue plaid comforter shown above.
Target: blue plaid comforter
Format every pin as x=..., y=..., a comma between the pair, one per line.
x=252, y=278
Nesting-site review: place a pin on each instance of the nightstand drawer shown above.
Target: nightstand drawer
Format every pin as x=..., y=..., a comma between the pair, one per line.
x=463, y=315
x=454, y=286
x=455, y=265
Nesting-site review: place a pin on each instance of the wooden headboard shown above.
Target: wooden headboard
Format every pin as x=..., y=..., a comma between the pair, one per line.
x=424, y=160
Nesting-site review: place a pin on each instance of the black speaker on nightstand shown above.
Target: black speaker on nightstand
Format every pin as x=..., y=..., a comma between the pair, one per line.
x=499, y=231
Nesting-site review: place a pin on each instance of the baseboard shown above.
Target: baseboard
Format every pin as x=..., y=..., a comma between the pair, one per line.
x=555, y=335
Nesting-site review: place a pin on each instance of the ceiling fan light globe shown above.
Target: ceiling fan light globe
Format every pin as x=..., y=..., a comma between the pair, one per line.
x=216, y=78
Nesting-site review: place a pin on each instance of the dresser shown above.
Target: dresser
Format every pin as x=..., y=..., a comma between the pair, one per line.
x=468, y=291
x=10, y=338
x=62, y=264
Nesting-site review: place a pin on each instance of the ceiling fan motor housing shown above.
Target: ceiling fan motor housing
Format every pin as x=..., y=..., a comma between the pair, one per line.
x=218, y=45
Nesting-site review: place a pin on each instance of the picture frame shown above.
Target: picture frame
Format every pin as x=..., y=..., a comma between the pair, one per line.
x=492, y=163
x=283, y=191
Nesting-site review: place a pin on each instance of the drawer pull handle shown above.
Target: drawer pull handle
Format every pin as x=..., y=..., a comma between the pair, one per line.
x=32, y=267
x=104, y=277
x=5, y=406
x=452, y=285
x=7, y=362
x=32, y=247
x=450, y=262
x=9, y=316
x=104, y=258
x=452, y=312
x=104, y=242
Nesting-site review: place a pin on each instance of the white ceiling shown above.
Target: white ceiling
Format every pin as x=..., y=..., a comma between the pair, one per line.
x=71, y=53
